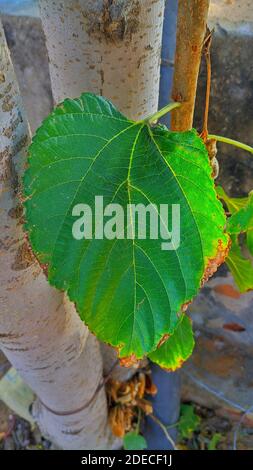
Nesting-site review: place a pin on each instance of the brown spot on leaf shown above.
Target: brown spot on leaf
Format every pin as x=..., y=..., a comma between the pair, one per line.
x=185, y=306
x=179, y=364
x=44, y=268
x=163, y=340
x=216, y=261
x=128, y=361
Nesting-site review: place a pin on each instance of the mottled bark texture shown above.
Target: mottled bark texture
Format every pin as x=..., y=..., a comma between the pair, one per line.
x=191, y=28
x=108, y=47
x=40, y=334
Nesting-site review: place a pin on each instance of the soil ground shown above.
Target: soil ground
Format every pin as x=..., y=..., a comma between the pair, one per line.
x=16, y=433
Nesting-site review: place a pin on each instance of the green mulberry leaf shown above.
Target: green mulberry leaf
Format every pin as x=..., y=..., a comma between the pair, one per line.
x=177, y=348
x=189, y=421
x=242, y=220
x=234, y=204
x=249, y=241
x=128, y=291
x=240, y=267
x=133, y=441
x=214, y=441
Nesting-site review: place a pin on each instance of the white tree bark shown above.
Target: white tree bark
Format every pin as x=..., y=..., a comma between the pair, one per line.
x=42, y=337
x=108, y=47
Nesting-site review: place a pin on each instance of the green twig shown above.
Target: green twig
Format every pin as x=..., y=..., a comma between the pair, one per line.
x=226, y=140
x=164, y=428
x=161, y=112
x=137, y=430
x=172, y=426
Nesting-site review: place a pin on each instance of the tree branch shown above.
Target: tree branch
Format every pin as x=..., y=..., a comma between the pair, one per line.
x=191, y=28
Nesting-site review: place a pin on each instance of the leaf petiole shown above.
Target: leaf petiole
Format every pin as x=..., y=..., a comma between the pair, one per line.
x=154, y=117
x=137, y=430
x=226, y=140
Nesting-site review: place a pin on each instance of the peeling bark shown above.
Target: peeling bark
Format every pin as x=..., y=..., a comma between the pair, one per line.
x=40, y=333
x=191, y=28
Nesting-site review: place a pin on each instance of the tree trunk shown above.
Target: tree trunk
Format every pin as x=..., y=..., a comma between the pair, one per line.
x=108, y=48
x=191, y=28
x=111, y=48
x=41, y=335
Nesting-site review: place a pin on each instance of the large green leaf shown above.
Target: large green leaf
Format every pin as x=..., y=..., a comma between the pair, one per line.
x=177, y=349
x=240, y=267
x=129, y=292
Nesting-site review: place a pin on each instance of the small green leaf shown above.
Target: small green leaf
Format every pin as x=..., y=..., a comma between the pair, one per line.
x=233, y=204
x=188, y=422
x=242, y=220
x=133, y=441
x=214, y=441
x=177, y=349
x=240, y=267
x=249, y=241
x=128, y=291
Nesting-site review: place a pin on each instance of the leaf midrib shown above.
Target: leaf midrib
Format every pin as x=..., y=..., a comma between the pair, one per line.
x=182, y=191
x=86, y=173
x=131, y=223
